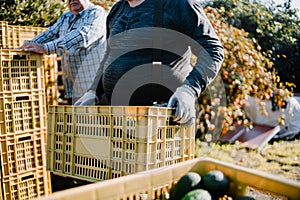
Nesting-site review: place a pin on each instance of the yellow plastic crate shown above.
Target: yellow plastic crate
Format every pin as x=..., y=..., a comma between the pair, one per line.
x=96, y=143
x=3, y=27
x=22, y=112
x=13, y=36
x=50, y=64
x=62, y=99
x=22, y=152
x=20, y=71
x=151, y=184
x=29, y=185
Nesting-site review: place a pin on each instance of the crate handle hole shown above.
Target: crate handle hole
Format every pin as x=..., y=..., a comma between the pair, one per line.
x=27, y=177
x=19, y=57
x=22, y=98
x=24, y=138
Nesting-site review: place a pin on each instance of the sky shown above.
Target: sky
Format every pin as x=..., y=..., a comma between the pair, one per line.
x=295, y=4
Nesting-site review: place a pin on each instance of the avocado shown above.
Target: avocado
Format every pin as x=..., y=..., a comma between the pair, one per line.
x=216, y=183
x=197, y=194
x=186, y=183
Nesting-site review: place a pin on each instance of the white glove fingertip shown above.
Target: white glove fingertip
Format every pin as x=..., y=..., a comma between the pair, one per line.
x=178, y=115
x=184, y=118
x=88, y=102
x=77, y=103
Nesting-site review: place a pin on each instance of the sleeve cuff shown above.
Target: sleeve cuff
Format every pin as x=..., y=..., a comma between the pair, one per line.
x=53, y=47
x=196, y=90
x=192, y=89
x=47, y=48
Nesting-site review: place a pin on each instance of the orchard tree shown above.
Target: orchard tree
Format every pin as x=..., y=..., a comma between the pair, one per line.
x=246, y=71
x=275, y=27
x=40, y=13
x=105, y=4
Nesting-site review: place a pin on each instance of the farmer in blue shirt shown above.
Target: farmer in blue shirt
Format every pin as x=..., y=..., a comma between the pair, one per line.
x=133, y=38
x=78, y=36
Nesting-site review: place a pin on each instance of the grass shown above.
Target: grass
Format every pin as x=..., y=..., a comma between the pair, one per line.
x=279, y=158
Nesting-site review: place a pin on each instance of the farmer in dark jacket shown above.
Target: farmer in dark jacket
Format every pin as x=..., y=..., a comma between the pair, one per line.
x=147, y=61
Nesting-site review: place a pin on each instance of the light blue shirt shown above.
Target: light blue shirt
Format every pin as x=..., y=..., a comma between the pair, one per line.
x=75, y=39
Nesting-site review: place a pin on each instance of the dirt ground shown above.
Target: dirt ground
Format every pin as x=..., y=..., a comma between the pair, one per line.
x=280, y=158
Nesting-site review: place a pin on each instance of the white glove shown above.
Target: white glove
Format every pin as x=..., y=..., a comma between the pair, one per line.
x=88, y=99
x=183, y=100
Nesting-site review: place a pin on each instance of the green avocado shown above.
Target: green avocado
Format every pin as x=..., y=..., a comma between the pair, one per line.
x=197, y=194
x=216, y=183
x=186, y=183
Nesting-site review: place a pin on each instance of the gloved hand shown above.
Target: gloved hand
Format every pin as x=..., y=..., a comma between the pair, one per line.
x=88, y=99
x=183, y=100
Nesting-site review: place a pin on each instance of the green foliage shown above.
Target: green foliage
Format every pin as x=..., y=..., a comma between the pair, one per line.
x=105, y=4
x=276, y=29
x=246, y=71
x=40, y=13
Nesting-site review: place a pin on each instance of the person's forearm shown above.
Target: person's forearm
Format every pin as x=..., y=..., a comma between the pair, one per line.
x=205, y=44
x=209, y=61
x=92, y=30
